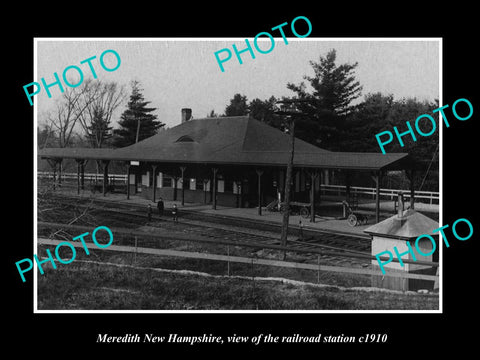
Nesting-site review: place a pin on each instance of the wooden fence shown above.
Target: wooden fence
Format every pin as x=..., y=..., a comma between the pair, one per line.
x=245, y=260
x=430, y=196
x=89, y=177
x=240, y=259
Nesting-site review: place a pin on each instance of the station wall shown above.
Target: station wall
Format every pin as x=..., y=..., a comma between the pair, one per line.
x=229, y=192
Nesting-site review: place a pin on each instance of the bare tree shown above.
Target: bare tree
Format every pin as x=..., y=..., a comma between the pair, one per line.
x=68, y=109
x=45, y=136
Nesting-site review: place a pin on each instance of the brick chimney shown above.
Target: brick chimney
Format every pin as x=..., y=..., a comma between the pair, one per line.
x=186, y=114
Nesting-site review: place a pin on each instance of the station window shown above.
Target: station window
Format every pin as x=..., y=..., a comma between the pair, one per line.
x=192, y=184
x=228, y=186
x=167, y=182
x=237, y=187
x=199, y=184
x=145, y=179
x=184, y=138
x=221, y=186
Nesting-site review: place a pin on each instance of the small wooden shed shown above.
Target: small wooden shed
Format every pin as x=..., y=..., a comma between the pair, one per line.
x=396, y=231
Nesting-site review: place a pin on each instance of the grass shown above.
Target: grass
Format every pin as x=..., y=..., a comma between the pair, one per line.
x=221, y=267
x=88, y=286
x=82, y=285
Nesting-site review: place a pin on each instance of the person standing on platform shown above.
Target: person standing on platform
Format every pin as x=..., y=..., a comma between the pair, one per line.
x=160, y=207
x=175, y=213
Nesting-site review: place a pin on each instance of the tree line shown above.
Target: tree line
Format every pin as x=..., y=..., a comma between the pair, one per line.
x=91, y=107
x=332, y=116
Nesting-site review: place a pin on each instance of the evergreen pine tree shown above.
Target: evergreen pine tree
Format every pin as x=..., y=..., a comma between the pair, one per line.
x=328, y=105
x=370, y=117
x=265, y=111
x=238, y=106
x=136, y=122
x=99, y=131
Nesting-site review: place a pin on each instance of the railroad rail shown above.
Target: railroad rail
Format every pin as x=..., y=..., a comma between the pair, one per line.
x=245, y=260
x=241, y=259
x=222, y=228
x=140, y=211
x=227, y=239
x=351, y=254
x=188, y=238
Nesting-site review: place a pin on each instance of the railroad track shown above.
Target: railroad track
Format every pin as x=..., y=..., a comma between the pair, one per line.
x=214, y=227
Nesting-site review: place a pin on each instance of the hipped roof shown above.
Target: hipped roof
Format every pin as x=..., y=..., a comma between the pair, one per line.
x=239, y=140
x=411, y=225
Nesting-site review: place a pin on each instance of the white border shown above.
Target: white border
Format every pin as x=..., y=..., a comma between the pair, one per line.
x=35, y=171
x=339, y=39
x=440, y=173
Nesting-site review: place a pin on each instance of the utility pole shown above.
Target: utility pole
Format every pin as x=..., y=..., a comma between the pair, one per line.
x=138, y=130
x=289, y=109
x=288, y=182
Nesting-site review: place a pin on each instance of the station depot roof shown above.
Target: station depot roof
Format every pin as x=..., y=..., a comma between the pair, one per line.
x=236, y=140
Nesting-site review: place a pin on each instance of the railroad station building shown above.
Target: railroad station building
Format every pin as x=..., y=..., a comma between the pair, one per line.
x=229, y=161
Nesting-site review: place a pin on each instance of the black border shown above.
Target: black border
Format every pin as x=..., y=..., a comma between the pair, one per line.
x=79, y=331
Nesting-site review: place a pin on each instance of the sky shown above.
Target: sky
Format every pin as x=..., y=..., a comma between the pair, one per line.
x=178, y=73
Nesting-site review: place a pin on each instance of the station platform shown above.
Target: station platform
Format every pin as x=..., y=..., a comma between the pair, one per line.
x=328, y=220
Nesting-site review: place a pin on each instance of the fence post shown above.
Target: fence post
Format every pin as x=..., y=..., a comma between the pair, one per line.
x=318, y=272
x=253, y=282
x=435, y=284
x=135, y=254
x=228, y=262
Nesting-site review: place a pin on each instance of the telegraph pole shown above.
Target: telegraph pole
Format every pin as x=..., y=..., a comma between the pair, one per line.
x=289, y=109
x=288, y=182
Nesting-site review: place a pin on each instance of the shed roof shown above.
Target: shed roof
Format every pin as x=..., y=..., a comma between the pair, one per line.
x=411, y=225
x=239, y=140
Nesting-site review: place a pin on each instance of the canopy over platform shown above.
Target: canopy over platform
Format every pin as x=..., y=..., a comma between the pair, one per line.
x=239, y=140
